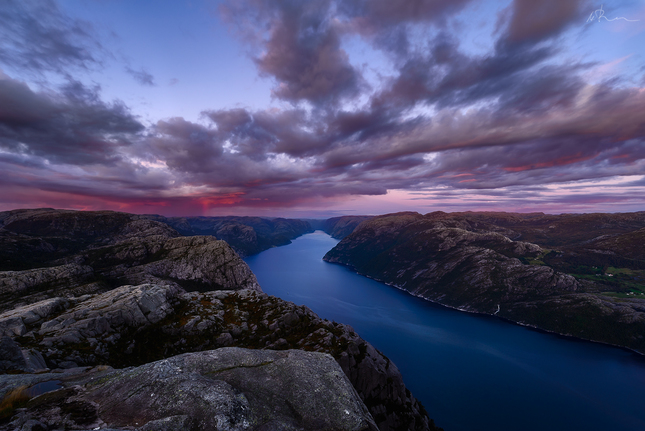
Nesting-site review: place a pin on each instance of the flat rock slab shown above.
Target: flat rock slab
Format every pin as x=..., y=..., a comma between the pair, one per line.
x=225, y=389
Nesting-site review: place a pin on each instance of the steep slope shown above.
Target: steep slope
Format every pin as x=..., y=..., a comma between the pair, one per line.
x=135, y=325
x=89, y=252
x=466, y=262
x=104, y=288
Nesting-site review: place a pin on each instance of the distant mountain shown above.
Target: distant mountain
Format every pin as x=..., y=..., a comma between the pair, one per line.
x=247, y=235
x=580, y=275
x=47, y=253
x=340, y=227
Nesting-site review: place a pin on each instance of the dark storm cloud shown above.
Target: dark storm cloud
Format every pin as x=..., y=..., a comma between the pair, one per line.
x=185, y=146
x=141, y=76
x=73, y=126
x=385, y=23
x=386, y=13
x=36, y=37
x=254, y=134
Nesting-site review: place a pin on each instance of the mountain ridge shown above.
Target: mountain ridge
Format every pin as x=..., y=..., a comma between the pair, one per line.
x=468, y=261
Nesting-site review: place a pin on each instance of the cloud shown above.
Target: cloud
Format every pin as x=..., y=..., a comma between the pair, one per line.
x=302, y=51
x=73, y=126
x=36, y=37
x=141, y=76
x=511, y=122
x=532, y=21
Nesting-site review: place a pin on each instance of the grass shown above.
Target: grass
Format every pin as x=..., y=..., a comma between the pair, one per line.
x=14, y=399
x=537, y=260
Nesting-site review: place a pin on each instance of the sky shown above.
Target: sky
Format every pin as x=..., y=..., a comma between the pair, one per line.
x=322, y=108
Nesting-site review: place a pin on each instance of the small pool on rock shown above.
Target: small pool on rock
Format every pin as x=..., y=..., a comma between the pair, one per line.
x=44, y=387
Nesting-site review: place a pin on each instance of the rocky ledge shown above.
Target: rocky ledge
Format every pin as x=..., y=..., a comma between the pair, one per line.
x=92, y=291
x=466, y=261
x=135, y=325
x=225, y=389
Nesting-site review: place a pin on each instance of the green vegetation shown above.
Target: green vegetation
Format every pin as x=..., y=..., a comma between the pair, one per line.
x=538, y=259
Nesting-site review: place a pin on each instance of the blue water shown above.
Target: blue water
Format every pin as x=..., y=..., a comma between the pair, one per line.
x=470, y=372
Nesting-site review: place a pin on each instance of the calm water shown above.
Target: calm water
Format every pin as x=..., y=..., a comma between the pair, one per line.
x=470, y=372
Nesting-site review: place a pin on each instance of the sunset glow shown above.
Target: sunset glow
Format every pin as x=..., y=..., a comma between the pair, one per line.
x=322, y=108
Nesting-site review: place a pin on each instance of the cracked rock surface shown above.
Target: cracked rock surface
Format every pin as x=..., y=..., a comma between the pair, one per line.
x=135, y=325
x=224, y=389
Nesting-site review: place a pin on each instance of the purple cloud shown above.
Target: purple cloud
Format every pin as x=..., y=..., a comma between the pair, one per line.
x=74, y=126
x=141, y=76
x=35, y=37
x=494, y=123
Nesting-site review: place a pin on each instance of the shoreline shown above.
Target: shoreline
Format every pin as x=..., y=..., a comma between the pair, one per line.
x=495, y=316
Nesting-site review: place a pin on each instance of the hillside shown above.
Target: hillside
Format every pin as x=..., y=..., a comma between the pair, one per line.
x=580, y=275
x=340, y=227
x=88, y=295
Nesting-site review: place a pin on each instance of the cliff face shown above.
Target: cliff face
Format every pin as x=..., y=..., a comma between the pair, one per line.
x=247, y=235
x=132, y=292
x=87, y=252
x=467, y=261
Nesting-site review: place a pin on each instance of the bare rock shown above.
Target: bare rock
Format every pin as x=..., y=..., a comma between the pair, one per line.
x=224, y=389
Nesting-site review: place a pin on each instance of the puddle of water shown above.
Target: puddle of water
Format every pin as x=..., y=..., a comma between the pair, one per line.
x=44, y=387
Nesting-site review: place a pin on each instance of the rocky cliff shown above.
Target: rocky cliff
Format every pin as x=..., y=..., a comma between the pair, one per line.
x=469, y=261
x=48, y=253
x=133, y=292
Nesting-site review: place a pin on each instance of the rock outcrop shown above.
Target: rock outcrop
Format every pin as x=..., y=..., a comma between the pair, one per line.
x=468, y=263
x=135, y=325
x=224, y=389
x=110, y=289
x=90, y=252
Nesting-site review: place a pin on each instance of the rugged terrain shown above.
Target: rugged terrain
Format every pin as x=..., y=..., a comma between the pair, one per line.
x=340, y=227
x=223, y=389
x=579, y=275
x=47, y=253
x=247, y=235
x=90, y=291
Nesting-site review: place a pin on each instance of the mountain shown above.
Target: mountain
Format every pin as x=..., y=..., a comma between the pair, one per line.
x=579, y=275
x=340, y=227
x=47, y=253
x=247, y=235
x=90, y=295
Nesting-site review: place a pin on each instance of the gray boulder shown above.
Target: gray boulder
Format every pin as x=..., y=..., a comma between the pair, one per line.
x=223, y=389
